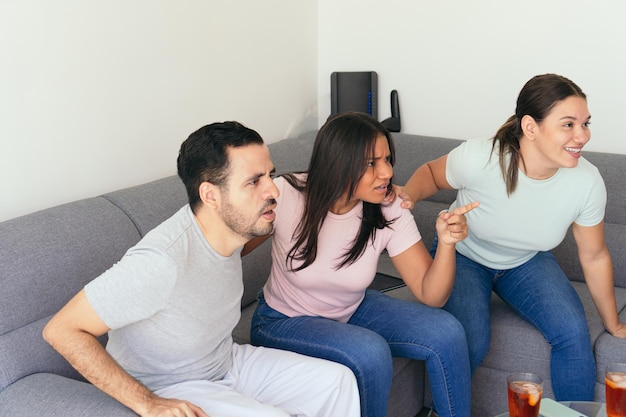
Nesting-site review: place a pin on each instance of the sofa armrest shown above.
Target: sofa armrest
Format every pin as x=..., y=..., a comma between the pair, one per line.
x=53, y=395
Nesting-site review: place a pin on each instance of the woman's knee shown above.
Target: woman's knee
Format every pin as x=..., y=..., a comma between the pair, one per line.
x=453, y=327
x=369, y=354
x=477, y=337
x=573, y=335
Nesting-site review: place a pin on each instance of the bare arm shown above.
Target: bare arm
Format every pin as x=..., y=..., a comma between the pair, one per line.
x=432, y=280
x=73, y=332
x=598, y=271
x=428, y=179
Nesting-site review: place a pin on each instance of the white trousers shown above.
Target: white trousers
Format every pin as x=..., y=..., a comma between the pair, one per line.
x=266, y=382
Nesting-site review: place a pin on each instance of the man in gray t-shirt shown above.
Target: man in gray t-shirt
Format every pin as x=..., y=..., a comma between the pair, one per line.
x=170, y=304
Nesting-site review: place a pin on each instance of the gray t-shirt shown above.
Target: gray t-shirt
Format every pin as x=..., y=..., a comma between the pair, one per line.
x=506, y=231
x=171, y=303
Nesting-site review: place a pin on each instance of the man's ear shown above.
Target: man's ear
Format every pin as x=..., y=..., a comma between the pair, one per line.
x=529, y=127
x=209, y=194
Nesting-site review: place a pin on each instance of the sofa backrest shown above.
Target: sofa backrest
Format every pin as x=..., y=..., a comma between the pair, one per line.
x=45, y=258
x=48, y=256
x=148, y=205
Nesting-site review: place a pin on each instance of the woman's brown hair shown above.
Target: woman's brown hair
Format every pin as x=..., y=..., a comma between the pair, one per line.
x=537, y=98
x=343, y=147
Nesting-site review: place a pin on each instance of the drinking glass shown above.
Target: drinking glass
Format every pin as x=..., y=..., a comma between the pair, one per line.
x=615, y=382
x=524, y=390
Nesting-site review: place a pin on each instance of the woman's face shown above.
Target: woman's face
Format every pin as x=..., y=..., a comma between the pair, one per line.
x=560, y=137
x=375, y=182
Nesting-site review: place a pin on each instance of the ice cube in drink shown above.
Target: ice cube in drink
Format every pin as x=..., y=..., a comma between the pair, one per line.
x=524, y=398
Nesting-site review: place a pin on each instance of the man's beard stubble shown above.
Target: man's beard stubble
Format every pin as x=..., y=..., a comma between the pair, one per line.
x=242, y=225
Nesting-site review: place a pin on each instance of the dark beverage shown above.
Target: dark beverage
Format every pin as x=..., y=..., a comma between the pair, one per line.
x=615, y=393
x=524, y=391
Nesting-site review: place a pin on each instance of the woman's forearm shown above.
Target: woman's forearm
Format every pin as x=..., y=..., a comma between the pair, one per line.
x=428, y=179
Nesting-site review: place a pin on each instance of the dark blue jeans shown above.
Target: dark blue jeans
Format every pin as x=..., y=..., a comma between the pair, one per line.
x=539, y=292
x=381, y=327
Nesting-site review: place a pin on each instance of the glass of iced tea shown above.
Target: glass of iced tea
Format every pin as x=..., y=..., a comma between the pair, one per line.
x=615, y=382
x=525, y=391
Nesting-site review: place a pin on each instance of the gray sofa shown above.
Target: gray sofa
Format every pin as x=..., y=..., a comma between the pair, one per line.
x=47, y=256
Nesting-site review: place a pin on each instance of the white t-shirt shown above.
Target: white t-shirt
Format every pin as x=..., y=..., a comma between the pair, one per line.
x=320, y=289
x=172, y=303
x=506, y=231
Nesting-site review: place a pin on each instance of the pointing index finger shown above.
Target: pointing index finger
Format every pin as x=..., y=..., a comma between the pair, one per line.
x=466, y=208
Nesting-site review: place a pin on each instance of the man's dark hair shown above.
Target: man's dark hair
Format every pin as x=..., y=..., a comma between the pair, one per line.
x=203, y=156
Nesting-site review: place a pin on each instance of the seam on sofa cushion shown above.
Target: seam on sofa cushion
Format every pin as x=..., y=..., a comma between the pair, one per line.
x=132, y=220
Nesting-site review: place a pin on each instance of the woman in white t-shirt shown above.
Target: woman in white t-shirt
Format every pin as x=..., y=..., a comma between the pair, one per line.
x=329, y=232
x=532, y=184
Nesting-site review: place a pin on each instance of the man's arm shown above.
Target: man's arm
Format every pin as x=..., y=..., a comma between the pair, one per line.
x=73, y=332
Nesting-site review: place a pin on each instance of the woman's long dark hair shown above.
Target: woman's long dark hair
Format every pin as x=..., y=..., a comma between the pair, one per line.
x=343, y=147
x=538, y=96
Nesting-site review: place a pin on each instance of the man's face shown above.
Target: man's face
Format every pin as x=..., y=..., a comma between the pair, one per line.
x=249, y=195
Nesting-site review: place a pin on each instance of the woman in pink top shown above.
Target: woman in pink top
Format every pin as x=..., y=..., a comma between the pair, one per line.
x=329, y=232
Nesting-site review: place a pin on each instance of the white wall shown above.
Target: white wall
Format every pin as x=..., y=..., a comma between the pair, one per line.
x=458, y=65
x=98, y=95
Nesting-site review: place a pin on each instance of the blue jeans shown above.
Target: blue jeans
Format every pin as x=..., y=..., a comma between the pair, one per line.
x=539, y=292
x=380, y=328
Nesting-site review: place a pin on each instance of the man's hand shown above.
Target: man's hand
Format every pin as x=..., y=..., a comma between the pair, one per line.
x=452, y=226
x=170, y=407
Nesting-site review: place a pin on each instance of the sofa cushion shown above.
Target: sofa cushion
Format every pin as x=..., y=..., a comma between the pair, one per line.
x=53, y=395
x=20, y=347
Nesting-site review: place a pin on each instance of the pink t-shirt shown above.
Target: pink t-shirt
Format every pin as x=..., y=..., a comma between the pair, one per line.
x=320, y=289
